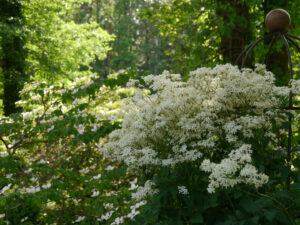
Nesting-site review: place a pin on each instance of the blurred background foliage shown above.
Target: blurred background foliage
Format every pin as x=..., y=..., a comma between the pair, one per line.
x=57, y=41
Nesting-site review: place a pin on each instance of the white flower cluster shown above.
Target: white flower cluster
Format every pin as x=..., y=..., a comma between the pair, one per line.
x=144, y=191
x=120, y=220
x=183, y=190
x=296, y=86
x=190, y=121
x=5, y=188
x=233, y=170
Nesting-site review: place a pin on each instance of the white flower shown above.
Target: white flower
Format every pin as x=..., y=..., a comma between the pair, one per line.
x=75, y=101
x=96, y=177
x=80, y=129
x=132, y=83
x=79, y=219
x=183, y=190
x=4, y=189
x=2, y=215
x=109, y=167
x=133, y=186
x=296, y=86
x=51, y=128
x=33, y=179
x=95, y=193
x=112, y=118
x=24, y=219
x=12, y=144
x=32, y=189
x=133, y=208
x=4, y=154
x=74, y=91
x=178, y=122
x=106, y=216
x=42, y=161
x=95, y=127
x=222, y=174
x=8, y=175
x=118, y=220
x=144, y=191
x=109, y=206
x=76, y=200
x=28, y=170
x=46, y=186
x=83, y=170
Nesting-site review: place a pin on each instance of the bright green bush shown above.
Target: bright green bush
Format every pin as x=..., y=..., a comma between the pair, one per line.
x=58, y=47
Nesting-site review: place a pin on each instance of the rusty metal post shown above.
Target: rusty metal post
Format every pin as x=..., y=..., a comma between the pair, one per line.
x=277, y=22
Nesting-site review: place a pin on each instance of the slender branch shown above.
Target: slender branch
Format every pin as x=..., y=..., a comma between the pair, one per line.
x=27, y=134
x=35, y=142
x=6, y=145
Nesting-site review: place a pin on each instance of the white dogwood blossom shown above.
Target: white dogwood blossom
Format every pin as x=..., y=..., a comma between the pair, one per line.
x=209, y=120
x=79, y=219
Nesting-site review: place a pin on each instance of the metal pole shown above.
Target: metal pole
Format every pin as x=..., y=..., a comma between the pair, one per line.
x=288, y=181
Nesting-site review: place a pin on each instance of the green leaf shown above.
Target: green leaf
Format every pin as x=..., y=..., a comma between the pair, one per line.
x=197, y=219
x=237, y=194
x=270, y=215
x=296, y=163
x=296, y=149
x=255, y=220
x=284, y=172
x=295, y=186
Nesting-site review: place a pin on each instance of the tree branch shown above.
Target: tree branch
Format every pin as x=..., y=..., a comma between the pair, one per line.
x=6, y=145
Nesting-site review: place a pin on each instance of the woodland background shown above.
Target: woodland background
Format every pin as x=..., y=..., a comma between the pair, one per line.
x=65, y=66
x=38, y=42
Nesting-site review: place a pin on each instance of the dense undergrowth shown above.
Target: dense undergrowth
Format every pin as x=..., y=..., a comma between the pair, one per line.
x=209, y=150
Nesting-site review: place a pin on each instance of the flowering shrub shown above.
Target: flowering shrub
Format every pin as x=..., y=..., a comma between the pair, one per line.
x=51, y=169
x=221, y=130
x=211, y=150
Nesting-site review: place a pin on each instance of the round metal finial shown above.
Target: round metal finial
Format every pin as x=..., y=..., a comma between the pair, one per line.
x=278, y=20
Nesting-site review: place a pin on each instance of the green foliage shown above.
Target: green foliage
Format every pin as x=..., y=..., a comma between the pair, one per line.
x=137, y=43
x=189, y=28
x=57, y=46
x=206, y=33
x=160, y=130
x=51, y=168
x=239, y=205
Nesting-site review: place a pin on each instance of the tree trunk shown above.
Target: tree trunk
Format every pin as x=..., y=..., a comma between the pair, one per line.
x=13, y=53
x=235, y=15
